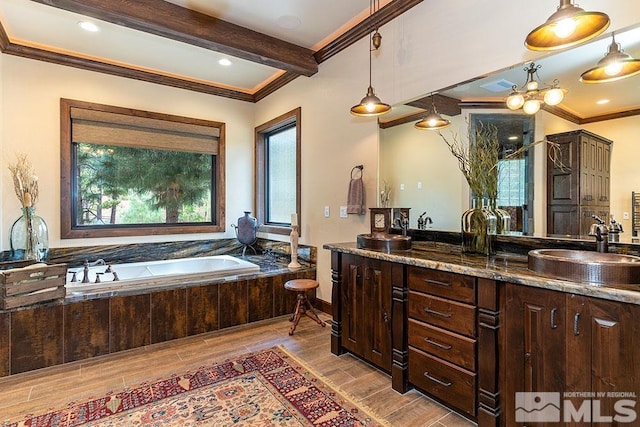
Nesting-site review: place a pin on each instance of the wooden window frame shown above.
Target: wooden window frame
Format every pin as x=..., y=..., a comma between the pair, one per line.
x=293, y=116
x=69, y=230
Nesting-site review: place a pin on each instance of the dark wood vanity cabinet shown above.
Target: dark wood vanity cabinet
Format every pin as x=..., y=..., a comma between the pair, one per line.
x=565, y=343
x=366, y=309
x=442, y=336
x=578, y=181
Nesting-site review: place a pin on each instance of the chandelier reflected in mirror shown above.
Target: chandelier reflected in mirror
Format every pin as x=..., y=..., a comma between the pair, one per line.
x=534, y=93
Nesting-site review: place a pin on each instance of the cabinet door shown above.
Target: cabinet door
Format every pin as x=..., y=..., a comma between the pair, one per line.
x=604, y=341
x=376, y=310
x=352, y=296
x=534, y=344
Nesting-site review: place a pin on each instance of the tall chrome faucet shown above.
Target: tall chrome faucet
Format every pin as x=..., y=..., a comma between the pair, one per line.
x=600, y=231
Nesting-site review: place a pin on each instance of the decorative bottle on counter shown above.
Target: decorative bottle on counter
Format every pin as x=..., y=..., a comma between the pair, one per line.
x=478, y=228
x=503, y=218
x=29, y=237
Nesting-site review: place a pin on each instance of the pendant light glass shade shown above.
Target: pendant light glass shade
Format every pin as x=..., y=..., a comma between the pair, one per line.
x=370, y=105
x=615, y=65
x=533, y=94
x=568, y=26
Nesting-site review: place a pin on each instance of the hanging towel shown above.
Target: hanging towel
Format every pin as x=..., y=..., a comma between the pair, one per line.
x=355, y=198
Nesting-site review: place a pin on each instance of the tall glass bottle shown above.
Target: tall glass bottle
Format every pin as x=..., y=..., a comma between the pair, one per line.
x=478, y=228
x=29, y=237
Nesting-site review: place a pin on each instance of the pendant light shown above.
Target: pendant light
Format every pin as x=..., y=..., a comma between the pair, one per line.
x=568, y=26
x=371, y=105
x=433, y=120
x=615, y=65
x=533, y=94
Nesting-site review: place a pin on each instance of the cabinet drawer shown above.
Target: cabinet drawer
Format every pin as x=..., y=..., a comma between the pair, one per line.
x=449, y=383
x=447, y=345
x=442, y=283
x=447, y=314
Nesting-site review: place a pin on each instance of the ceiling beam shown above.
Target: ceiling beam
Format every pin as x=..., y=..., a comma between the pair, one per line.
x=174, y=22
x=379, y=18
x=444, y=104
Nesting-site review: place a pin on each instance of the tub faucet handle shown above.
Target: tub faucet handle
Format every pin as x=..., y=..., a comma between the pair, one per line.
x=98, y=277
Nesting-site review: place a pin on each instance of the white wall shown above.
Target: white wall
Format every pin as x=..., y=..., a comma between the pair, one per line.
x=30, y=110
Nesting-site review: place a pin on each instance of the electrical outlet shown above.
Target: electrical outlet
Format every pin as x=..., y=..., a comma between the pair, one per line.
x=343, y=212
x=625, y=215
x=327, y=211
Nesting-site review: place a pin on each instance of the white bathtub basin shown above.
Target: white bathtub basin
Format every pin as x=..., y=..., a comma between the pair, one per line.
x=137, y=272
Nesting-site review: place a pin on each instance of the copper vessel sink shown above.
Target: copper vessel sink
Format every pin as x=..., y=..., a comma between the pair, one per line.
x=586, y=266
x=383, y=242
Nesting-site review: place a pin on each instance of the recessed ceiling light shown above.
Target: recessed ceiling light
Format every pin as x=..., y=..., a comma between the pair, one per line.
x=224, y=61
x=513, y=138
x=88, y=26
x=602, y=102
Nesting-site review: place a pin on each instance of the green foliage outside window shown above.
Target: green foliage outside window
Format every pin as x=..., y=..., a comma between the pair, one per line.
x=125, y=185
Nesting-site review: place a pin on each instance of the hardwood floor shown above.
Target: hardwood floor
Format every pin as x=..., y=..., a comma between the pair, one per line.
x=35, y=392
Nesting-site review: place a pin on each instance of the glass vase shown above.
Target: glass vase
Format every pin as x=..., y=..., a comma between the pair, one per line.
x=478, y=228
x=29, y=237
x=503, y=218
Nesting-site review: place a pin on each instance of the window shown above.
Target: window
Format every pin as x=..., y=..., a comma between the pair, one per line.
x=128, y=172
x=278, y=172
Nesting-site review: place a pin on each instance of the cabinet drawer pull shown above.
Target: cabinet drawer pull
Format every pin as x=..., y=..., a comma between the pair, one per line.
x=436, y=282
x=437, y=313
x=554, y=325
x=436, y=380
x=576, y=324
x=437, y=344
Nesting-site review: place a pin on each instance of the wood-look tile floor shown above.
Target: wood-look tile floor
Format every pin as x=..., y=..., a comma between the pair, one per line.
x=35, y=392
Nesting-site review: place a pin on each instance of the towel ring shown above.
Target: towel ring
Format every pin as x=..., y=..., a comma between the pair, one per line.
x=360, y=168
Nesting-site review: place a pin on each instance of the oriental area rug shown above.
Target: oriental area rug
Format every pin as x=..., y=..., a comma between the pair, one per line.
x=270, y=387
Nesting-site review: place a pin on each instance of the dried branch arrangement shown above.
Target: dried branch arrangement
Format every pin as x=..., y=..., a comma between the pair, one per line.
x=25, y=181
x=478, y=162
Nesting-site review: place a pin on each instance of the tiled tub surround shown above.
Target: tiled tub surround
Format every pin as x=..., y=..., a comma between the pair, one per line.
x=471, y=331
x=86, y=325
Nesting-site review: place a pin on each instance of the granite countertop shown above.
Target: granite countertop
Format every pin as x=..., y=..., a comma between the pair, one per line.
x=504, y=267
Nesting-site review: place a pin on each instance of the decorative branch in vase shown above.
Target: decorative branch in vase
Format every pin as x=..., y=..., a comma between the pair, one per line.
x=29, y=237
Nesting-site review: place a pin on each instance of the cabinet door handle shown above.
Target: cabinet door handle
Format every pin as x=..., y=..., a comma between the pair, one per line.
x=437, y=282
x=554, y=325
x=385, y=317
x=576, y=324
x=436, y=380
x=437, y=344
x=437, y=313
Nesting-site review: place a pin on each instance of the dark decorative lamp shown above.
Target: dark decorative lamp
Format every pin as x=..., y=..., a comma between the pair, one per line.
x=433, y=120
x=615, y=65
x=371, y=105
x=568, y=26
x=533, y=94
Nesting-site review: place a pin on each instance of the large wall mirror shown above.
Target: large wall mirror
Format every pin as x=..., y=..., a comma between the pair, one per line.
x=424, y=176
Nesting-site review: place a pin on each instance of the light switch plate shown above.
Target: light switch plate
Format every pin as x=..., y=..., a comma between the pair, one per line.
x=343, y=212
x=625, y=215
x=327, y=211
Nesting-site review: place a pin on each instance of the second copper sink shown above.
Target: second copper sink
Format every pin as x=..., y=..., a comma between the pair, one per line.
x=586, y=266
x=383, y=242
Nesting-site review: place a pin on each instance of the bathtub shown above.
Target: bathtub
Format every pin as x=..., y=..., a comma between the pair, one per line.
x=154, y=272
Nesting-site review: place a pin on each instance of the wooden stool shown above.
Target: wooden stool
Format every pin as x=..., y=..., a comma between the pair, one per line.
x=303, y=306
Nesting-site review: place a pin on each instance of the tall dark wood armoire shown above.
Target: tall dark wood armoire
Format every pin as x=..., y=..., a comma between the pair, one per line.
x=578, y=181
